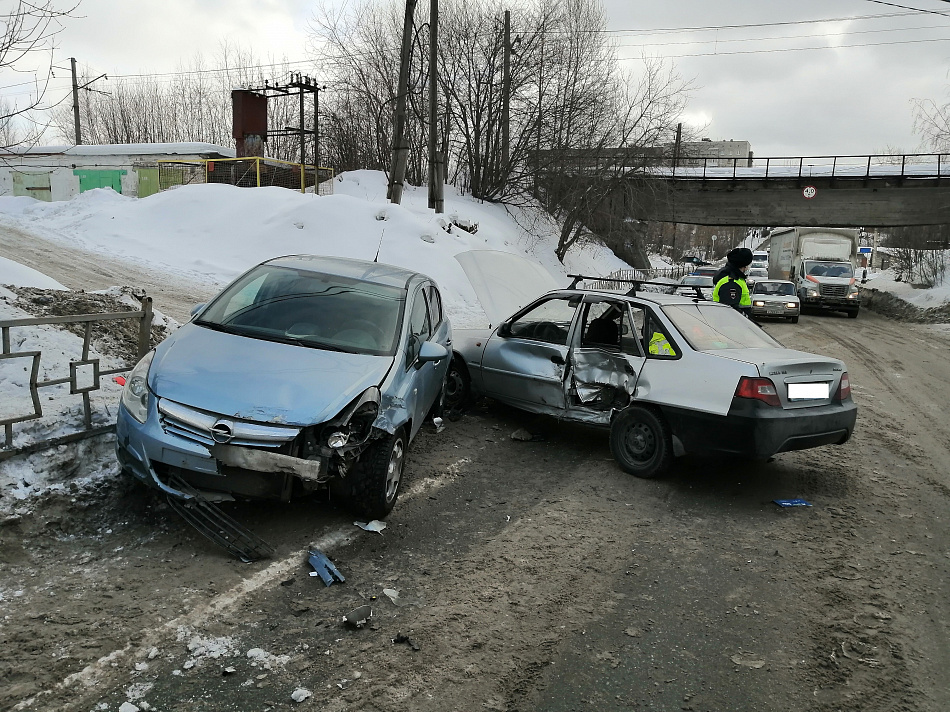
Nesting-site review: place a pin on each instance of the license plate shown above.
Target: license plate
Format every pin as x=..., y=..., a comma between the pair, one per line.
x=774, y=310
x=808, y=391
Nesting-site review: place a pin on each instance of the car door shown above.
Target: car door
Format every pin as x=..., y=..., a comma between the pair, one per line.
x=525, y=359
x=608, y=356
x=422, y=377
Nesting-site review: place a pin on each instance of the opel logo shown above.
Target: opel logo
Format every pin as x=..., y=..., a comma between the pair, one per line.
x=222, y=431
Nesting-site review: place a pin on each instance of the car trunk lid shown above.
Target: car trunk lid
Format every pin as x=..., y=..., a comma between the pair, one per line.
x=801, y=379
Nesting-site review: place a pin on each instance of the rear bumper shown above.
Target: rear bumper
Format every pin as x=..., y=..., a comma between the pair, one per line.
x=755, y=430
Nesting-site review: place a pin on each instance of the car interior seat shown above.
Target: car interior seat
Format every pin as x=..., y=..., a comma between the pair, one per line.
x=602, y=331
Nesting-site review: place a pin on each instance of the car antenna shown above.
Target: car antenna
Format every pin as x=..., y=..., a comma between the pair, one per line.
x=380, y=245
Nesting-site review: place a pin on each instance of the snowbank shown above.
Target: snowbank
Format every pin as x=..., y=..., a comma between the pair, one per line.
x=216, y=232
x=17, y=275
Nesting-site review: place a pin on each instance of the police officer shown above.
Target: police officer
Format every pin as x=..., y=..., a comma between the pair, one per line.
x=731, y=287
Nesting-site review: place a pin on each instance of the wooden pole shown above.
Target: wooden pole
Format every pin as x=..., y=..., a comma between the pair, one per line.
x=400, y=149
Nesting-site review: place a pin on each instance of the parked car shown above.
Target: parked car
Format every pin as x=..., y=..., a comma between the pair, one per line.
x=304, y=372
x=687, y=285
x=705, y=272
x=775, y=298
x=667, y=374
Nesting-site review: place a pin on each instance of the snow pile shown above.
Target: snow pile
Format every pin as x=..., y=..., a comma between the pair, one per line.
x=212, y=233
x=924, y=298
x=17, y=275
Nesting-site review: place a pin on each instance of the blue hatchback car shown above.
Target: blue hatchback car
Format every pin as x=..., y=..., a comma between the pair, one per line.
x=304, y=372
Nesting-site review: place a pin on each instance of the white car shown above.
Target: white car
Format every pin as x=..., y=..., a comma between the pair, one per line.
x=775, y=298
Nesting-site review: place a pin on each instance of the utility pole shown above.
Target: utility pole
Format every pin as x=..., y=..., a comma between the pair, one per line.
x=677, y=145
x=72, y=64
x=436, y=162
x=506, y=99
x=316, y=139
x=400, y=149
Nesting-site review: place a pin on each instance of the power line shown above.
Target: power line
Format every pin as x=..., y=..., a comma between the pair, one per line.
x=791, y=49
x=709, y=28
x=788, y=37
x=905, y=7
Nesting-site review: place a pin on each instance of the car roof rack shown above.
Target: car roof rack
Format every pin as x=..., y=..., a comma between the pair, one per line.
x=637, y=284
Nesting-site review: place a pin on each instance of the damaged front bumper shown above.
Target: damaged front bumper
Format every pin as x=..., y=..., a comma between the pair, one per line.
x=162, y=452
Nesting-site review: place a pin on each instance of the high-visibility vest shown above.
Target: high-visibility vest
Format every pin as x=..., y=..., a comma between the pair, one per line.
x=659, y=346
x=745, y=299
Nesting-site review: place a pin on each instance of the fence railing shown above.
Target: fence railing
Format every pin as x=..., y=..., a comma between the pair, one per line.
x=248, y=172
x=610, y=283
x=911, y=165
x=84, y=363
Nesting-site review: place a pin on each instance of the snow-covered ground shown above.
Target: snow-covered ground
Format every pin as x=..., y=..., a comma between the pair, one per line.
x=211, y=234
x=924, y=298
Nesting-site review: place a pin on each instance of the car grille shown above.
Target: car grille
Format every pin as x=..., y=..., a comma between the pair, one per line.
x=834, y=290
x=195, y=425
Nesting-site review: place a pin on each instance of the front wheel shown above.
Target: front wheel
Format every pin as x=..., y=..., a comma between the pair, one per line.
x=640, y=442
x=853, y=314
x=458, y=386
x=793, y=319
x=375, y=481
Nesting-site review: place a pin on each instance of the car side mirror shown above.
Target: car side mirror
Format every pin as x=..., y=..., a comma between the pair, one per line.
x=504, y=329
x=197, y=308
x=431, y=351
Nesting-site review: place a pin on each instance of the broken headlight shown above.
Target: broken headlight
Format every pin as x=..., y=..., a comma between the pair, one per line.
x=135, y=392
x=355, y=425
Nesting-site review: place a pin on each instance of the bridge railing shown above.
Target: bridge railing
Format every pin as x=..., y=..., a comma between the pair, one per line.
x=911, y=165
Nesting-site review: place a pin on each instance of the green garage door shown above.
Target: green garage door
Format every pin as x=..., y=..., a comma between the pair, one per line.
x=90, y=179
x=148, y=181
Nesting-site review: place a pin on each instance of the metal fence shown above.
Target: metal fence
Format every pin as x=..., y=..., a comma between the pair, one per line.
x=144, y=338
x=249, y=172
x=609, y=283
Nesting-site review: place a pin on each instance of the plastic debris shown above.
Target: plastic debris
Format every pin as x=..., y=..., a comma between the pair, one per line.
x=523, y=435
x=324, y=568
x=400, y=638
x=373, y=526
x=748, y=660
x=791, y=503
x=393, y=595
x=300, y=694
x=439, y=424
x=229, y=671
x=358, y=617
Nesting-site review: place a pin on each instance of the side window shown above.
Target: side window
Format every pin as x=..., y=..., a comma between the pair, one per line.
x=435, y=306
x=630, y=335
x=420, y=328
x=549, y=321
x=656, y=341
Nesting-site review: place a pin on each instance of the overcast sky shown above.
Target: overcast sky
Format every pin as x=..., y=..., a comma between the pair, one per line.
x=787, y=84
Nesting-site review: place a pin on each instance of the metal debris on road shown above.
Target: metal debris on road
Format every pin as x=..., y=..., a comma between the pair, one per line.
x=324, y=568
x=358, y=617
x=400, y=638
x=373, y=526
x=791, y=503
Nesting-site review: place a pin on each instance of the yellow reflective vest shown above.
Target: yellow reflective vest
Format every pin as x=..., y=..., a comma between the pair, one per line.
x=659, y=346
x=745, y=299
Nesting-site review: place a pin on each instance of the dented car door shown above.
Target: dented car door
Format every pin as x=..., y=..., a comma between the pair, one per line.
x=525, y=359
x=606, y=360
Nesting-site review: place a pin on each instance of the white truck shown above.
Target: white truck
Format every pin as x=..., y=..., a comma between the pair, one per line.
x=821, y=262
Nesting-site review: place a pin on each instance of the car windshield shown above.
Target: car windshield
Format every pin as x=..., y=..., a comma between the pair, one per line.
x=829, y=269
x=784, y=289
x=710, y=327
x=322, y=311
x=698, y=280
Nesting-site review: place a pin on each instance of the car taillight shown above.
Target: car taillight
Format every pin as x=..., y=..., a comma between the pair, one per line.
x=761, y=389
x=844, y=387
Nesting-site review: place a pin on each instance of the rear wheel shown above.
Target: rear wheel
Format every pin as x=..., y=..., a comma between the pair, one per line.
x=641, y=442
x=374, y=483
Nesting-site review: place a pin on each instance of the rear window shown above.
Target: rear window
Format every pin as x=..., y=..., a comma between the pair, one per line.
x=710, y=327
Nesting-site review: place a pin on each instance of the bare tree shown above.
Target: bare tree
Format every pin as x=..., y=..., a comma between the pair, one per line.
x=193, y=105
x=932, y=123
x=28, y=30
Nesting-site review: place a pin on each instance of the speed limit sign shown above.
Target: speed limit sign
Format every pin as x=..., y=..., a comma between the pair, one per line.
x=809, y=192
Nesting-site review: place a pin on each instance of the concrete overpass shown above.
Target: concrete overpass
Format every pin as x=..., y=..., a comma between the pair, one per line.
x=828, y=191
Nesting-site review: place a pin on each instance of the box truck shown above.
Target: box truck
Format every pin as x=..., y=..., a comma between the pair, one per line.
x=821, y=262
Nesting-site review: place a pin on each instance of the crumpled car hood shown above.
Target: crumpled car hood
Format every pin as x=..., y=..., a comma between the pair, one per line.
x=257, y=380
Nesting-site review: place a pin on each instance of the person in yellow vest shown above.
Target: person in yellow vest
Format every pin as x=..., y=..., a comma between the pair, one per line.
x=659, y=346
x=731, y=287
